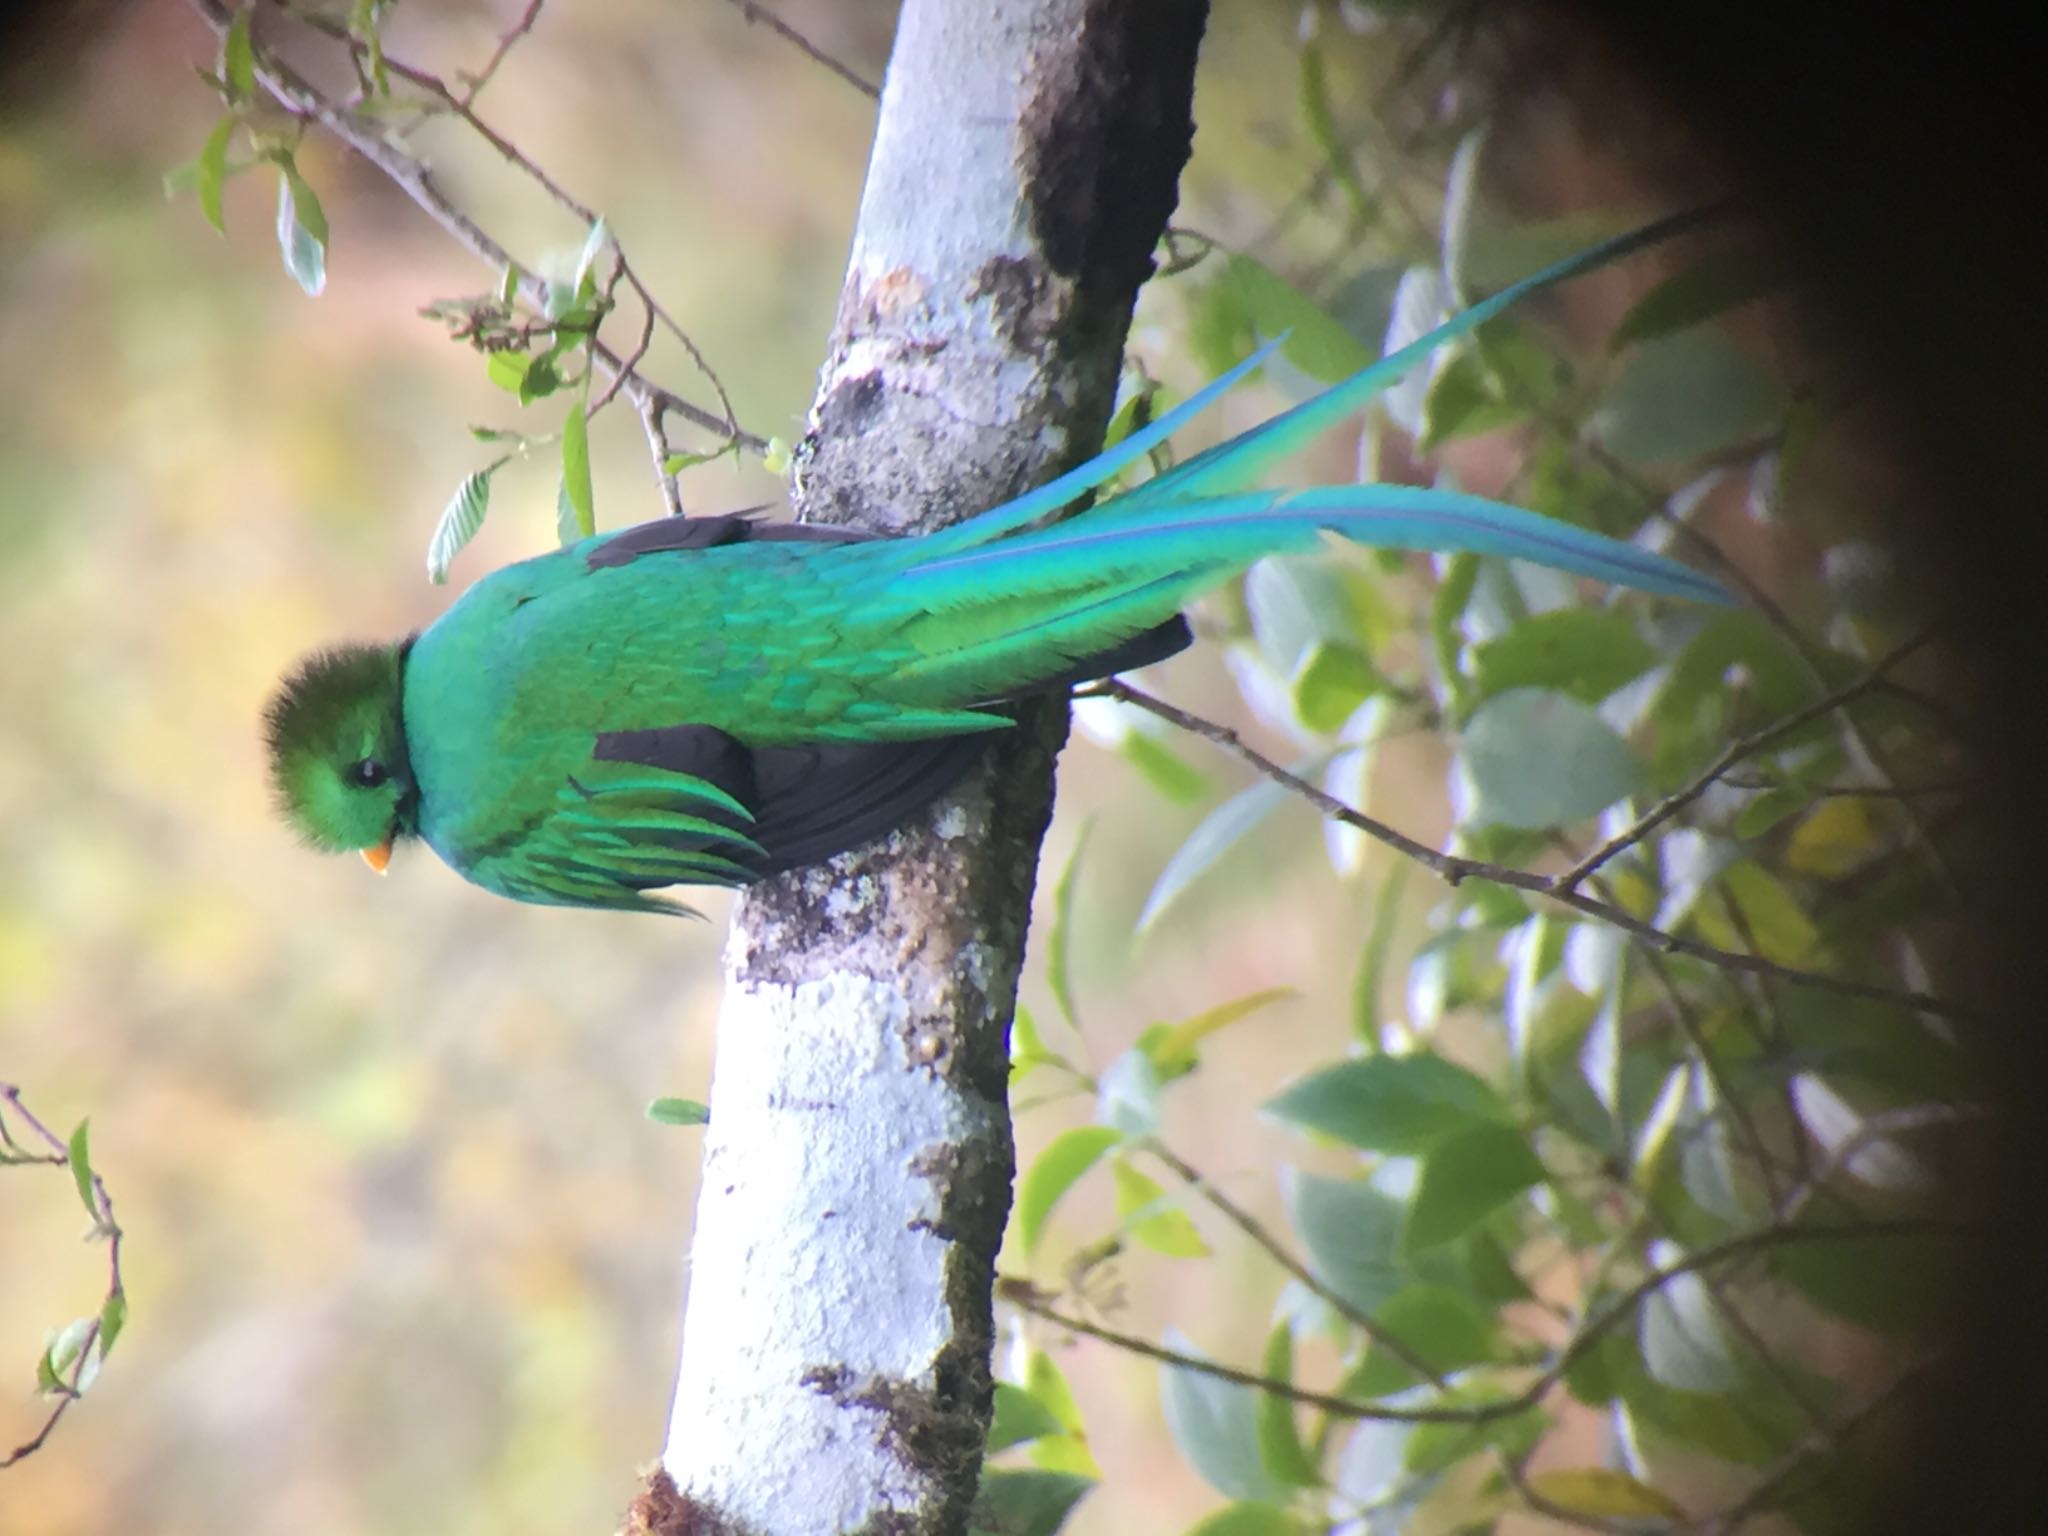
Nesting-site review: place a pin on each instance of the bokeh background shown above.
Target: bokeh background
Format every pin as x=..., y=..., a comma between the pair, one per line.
x=403, y=1253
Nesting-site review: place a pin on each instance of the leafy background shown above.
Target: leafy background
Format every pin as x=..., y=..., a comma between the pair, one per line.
x=378, y=1146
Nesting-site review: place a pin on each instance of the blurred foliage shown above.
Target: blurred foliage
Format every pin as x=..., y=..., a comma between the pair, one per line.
x=1636, y=1228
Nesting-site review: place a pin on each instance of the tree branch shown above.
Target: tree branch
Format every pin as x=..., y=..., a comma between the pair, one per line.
x=1452, y=868
x=1027, y=1297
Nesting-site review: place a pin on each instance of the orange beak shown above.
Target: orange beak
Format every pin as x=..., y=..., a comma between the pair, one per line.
x=379, y=857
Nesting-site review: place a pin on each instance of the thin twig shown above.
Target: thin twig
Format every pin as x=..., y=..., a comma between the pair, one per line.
x=519, y=30
x=761, y=16
x=68, y=1391
x=410, y=174
x=1030, y=1298
x=1875, y=1128
x=1453, y=868
x=1857, y=791
x=1256, y=1230
x=1736, y=751
x=1771, y=1482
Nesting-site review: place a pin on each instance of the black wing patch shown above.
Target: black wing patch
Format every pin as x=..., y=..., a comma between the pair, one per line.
x=809, y=802
x=669, y=534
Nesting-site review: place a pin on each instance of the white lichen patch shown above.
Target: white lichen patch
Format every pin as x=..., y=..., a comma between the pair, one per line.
x=815, y=1248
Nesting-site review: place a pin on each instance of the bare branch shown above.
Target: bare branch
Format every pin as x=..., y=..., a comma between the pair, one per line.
x=1256, y=1230
x=367, y=138
x=70, y=1389
x=760, y=15
x=1771, y=1484
x=1027, y=1297
x=1736, y=751
x=1453, y=868
x=519, y=30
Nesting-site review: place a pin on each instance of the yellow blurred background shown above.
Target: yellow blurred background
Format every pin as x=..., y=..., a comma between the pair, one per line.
x=403, y=1254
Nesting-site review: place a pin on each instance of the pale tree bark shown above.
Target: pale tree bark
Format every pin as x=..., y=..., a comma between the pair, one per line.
x=835, y=1364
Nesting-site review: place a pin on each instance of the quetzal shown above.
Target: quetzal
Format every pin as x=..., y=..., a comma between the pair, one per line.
x=708, y=700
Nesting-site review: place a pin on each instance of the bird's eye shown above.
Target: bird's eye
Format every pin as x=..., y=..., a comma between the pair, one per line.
x=368, y=773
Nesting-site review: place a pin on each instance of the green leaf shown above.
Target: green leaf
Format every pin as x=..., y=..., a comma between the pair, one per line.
x=1685, y=395
x=1018, y=1417
x=1602, y=1493
x=1402, y=1105
x=1891, y=1283
x=211, y=169
x=1684, y=1344
x=1027, y=1047
x=1025, y=1502
x=507, y=369
x=1316, y=343
x=1217, y=833
x=1332, y=680
x=1060, y=940
x=1442, y=1328
x=238, y=58
x=1352, y=1233
x=1464, y=401
x=1749, y=1427
x=1163, y=768
x=676, y=463
x=1461, y=198
x=566, y=530
x=1436, y=1447
x=301, y=231
x=1372, y=963
x=1215, y=1424
x=1838, y=1126
x=541, y=379
x=1446, y=611
x=362, y=25
x=678, y=1112
x=1281, y=1451
x=1297, y=602
x=113, y=1318
x=1147, y=1213
x=1465, y=1179
x=1127, y=1094
x=1584, y=652
x=594, y=242
x=1138, y=396
x=1727, y=280
x=1044, y=1381
x=49, y=1383
x=79, y=1153
x=1773, y=916
x=1247, y=1518
x=1768, y=809
x=1536, y=758
x=460, y=520
x=1836, y=838
x=1322, y=128
x=1173, y=1049
x=1054, y=1171
x=576, y=470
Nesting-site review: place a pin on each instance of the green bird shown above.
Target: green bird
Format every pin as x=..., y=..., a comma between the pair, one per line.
x=710, y=700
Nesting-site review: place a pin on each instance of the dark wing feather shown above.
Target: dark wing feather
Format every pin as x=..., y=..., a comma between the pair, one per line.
x=670, y=534
x=808, y=802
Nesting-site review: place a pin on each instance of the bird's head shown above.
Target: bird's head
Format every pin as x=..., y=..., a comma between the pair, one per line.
x=336, y=734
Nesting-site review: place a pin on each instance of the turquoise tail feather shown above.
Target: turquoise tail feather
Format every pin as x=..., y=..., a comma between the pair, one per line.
x=1230, y=465
x=1205, y=537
